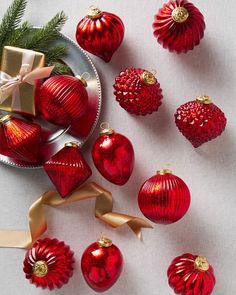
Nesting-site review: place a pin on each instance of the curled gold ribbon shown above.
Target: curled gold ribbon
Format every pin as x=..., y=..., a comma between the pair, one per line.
x=38, y=220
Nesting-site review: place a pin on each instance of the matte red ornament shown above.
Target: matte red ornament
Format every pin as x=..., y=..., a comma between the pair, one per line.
x=21, y=138
x=179, y=26
x=101, y=264
x=138, y=91
x=164, y=198
x=100, y=33
x=200, y=120
x=113, y=156
x=63, y=99
x=49, y=264
x=67, y=169
x=191, y=274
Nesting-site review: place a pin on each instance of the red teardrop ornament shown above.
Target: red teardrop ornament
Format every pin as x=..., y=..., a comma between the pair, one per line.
x=101, y=264
x=67, y=169
x=164, y=198
x=113, y=156
x=100, y=33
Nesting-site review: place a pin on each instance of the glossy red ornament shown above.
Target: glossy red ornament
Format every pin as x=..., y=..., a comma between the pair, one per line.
x=49, y=264
x=164, y=198
x=21, y=138
x=101, y=264
x=67, y=169
x=113, y=156
x=179, y=26
x=100, y=33
x=191, y=274
x=63, y=99
x=200, y=120
x=138, y=91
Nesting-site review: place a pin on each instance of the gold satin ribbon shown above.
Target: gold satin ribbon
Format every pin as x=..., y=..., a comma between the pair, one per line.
x=38, y=220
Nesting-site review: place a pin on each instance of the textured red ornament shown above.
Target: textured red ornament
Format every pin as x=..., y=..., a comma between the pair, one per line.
x=138, y=91
x=63, y=99
x=100, y=33
x=21, y=138
x=67, y=169
x=101, y=264
x=164, y=198
x=49, y=264
x=113, y=156
x=200, y=120
x=190, y=274
x=179, y=26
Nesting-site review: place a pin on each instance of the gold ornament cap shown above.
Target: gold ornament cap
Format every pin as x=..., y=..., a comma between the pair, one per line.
x=180, y=14
x=82, y=80
x=204, y=99
x=104, y=241
x=164, y=171
x=105, y=129
x=5, y=119
x=40, y=268
x=201, y=264
x=148, y=78
x=94, y=12
x=73, y=144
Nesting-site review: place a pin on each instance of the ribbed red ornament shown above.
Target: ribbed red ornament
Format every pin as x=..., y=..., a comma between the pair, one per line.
x=67, y=169
x=21, y=138
x=138, y=91
x=179, y=26
x=164, y=198
x=191, y=274
x=49, y=264
x=63, y=99
x=200, y=120
x=100, y=33
x=101, y=264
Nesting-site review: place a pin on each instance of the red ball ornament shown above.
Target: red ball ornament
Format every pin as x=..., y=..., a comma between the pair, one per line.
x=63, y=99
x=200, y=120
x=164, y=198
x=49, y=264
x=101, y=264
x=138, y=91
x=179, y=26
x=67, y=169
x=191, y=274
x=113, y=156
x=100, y=33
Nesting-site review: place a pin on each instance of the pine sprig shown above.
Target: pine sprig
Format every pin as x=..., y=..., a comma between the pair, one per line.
x=17, y=37
x=55, y=53
x=61, y=69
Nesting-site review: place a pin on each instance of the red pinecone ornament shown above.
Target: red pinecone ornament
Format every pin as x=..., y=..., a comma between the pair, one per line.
x=63, y=99
x=164, y=198
x=191, y=274
x=67, y=169
x=101, y=264
x=200, y=120
x=138, y=91
x=21, y=138
x=100, y=33
x=179, y=26
x=49, y=264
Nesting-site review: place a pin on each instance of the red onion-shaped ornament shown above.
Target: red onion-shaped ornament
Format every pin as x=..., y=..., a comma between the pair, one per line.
x=164, y=198
x=100, y=33
x=49, y=264
x=67, y=169
x=101, y=264
x=138, y=91
x=179, y=26
x=200, y=120
x=191, y=274
x=113, y=156
x=21, y=138
x=63, y=99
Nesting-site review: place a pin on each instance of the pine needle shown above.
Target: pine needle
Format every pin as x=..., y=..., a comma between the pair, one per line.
x=61, y=69
x=55, y=53
x=17, y=37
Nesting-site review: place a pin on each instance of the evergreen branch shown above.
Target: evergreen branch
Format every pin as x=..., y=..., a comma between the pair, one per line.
x=18, y=36
x=60, y=69
x=55, y=53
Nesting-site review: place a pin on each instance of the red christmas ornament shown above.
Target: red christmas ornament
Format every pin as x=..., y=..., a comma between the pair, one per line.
x=191, y=274
x=20, y=137
x=200, y=120
x=164, y=198
x=101, y=264
x=179, y=26
x=63, y=99
x=138, y=91
x=113, y=156
x=100, y=33
x=67, y=169
x=49, y=264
